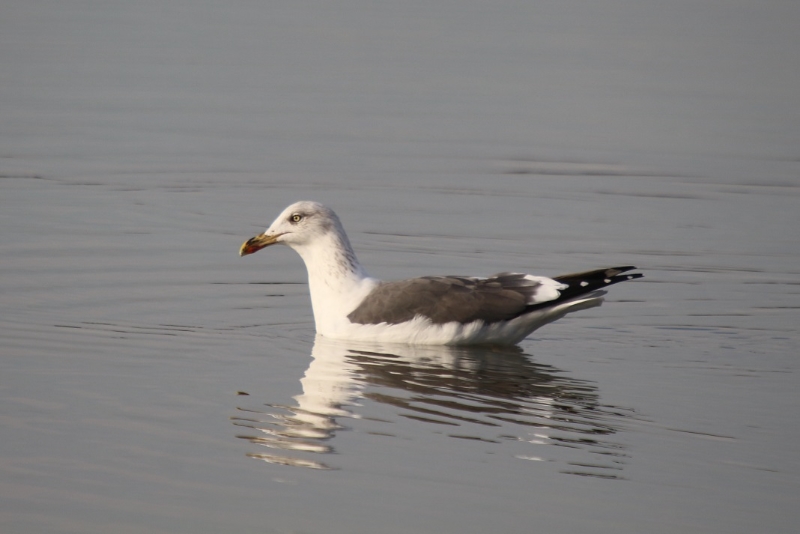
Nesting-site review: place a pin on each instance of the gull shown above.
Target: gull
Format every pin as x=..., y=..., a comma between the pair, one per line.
x=348, y=304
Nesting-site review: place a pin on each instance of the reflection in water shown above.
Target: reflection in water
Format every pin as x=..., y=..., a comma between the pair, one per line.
x=490, y=394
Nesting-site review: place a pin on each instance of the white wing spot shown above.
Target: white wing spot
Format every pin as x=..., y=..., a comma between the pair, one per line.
x=584, y=283
x=607, y=281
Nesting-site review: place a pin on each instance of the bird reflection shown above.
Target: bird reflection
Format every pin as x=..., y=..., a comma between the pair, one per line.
x=491, y=394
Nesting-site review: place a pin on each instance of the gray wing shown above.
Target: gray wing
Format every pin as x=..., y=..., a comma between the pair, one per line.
x=443, y=299
x=500, y=297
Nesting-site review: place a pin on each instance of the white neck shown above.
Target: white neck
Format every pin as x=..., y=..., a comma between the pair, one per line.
x=336, y=280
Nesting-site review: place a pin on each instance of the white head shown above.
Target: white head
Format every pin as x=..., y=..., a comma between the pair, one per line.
x=336, y=280
x=298, y=226
x=316, y=233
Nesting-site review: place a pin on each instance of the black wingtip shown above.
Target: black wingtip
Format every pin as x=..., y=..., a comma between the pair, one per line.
x=588, y=281
x=616, y=272
x=614, y=275
x=612, y=271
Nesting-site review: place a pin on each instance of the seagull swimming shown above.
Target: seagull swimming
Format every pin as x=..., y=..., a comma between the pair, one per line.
x=501, y=309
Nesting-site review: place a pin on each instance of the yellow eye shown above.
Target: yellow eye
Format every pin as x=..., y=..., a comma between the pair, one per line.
x=297, y=217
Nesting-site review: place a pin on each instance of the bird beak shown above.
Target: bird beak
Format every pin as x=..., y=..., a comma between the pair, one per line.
x=254, y=244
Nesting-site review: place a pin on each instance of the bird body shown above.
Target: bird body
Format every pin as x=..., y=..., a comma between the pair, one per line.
x=434, y=310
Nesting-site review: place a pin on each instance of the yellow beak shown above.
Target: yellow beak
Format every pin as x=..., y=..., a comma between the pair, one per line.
x=254, y=244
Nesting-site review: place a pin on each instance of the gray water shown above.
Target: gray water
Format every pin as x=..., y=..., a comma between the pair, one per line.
x=153, y=381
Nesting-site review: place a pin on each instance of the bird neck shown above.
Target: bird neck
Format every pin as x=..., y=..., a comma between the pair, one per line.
x=336, y=280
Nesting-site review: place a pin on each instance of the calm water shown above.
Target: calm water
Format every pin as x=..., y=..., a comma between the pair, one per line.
x=153, y=381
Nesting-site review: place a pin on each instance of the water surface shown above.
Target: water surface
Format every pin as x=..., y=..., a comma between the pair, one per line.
x=153, y=381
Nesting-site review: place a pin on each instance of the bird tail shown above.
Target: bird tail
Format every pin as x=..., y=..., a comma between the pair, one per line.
x=585, y=289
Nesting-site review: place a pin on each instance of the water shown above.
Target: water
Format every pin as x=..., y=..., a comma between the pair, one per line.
x=153, y=381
